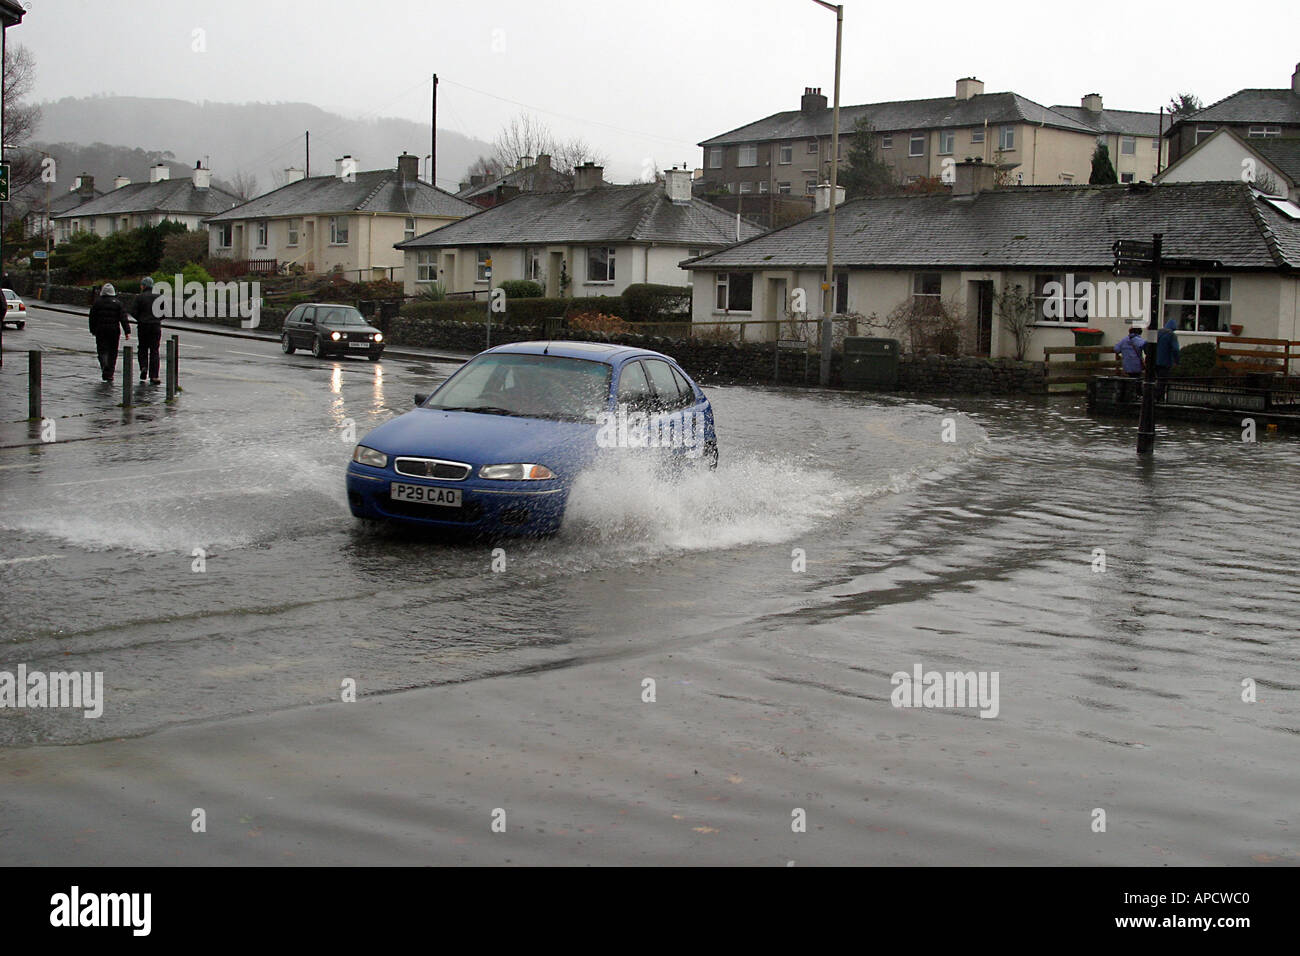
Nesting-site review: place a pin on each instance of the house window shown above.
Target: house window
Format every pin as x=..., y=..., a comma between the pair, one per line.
x=1204, y=132
x=810, y=187
x=1067, y=305
x=812, y=146
x=748, y=155
x=263, y=229
x=977, y=135
x=783, y=189
x=715, y=157
x=409, y=231
x=916, y=145
x=293, y=232
x=1126, y=177
x=886, y=140
x=1006, y=137
x=426, y=266
x=533, y=263
x=1199, y=303
x=763, y=186
x=338, y=230
x=746, y=187
x=735, y=292
x=600, y=264
x=1261, y=132
x=946, y=137
x=225, y=235
x=841, y=293
x=926, y=288
x=484, y=266
x=1128, y=145
x=786, y=154
x=1067, y=178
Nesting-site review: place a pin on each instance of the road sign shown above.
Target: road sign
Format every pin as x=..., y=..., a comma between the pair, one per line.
x=1133, y=272
x=38, y=253
x=4, y=182
x=1140, y=247
x=1200, y=264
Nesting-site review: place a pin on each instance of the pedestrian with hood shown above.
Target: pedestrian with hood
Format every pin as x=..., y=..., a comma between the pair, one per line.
x=107, y=323
x=1166, y=356
x=148, y=329
x=1129, y=349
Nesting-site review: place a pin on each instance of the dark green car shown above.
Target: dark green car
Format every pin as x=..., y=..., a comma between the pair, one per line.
x=330, y=329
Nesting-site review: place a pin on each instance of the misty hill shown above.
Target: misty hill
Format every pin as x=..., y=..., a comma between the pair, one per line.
x=260, y=139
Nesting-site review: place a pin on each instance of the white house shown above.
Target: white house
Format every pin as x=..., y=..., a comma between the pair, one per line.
x=1272, y=165
x=593, y=240
x=131, y=205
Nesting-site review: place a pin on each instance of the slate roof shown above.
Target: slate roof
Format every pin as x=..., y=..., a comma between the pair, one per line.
x=529, y=179
x=377, y=190
x=1251, y=106
x=1283, y=154
x=167, y=195
x=1054, y=227
x=902, y=115
x=68, y=200
x=1123, y=122
x=640, y=213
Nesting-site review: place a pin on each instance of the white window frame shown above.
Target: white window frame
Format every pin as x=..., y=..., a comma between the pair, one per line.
x=785, y=154
x=913, y=141
x=610, y=270
x=947, y=142
x=763, y=186
x=977, y=136
x=263, y=233
x=225, y=235
x=814, y=147
x=1006, y=138
x=715, y=157
x=1224, y=305
x=933, y=298
x=722, y=294
x=408, y=228
x=1126, y=177
x=1204, y=132
x=810, y=187
x=747, y=154
x=746, y=187
x=1128, y=145
x=1074, y=314
x=886, y=140
x=784, y=189
x=426, y=265
x=292, y=230
x=1264, y=132
x=481, y=265
x=336, y=231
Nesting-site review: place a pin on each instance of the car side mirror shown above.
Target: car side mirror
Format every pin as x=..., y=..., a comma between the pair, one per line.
x=421, y=398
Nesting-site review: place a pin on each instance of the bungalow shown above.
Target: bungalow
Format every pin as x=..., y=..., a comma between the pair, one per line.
x=1252, y=113
x=1271, y=165
x=957, y=252
x=527, y=177
x=132, y=205
x=594, y=240
x=37, y=220
x=348, y=221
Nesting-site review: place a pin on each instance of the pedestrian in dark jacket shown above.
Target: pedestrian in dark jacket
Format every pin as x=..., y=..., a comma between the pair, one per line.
x=1130, y=349
x=148, y=330
x=1166, y=356
x=107, y=323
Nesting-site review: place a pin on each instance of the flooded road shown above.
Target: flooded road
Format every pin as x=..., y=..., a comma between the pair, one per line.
x=203, y=559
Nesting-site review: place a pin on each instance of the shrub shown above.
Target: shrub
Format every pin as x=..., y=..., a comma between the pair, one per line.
x=598, y=322
x=649, y=302
x=451, y=310
x=1196, y=360
x=522, y=289
x=193, y=272
x=182, y=247
x=432, y=292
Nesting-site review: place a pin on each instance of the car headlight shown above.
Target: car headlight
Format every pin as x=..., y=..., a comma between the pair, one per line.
x=336, y=336
x=368, y=456
x=379, y=336
x=520, y=472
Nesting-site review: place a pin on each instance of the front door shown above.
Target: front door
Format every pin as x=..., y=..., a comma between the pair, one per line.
x=983, y=296
x=553, y=275
x=777, y=312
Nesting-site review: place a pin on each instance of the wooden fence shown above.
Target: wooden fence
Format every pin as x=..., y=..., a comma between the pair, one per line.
x=1268, y=355
x=1070, y=370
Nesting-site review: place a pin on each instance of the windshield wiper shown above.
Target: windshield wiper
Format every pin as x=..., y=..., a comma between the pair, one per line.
x=485, y=409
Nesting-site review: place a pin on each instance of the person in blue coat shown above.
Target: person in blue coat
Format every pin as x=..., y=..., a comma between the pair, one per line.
x=1129, y=350
x=1166, y=356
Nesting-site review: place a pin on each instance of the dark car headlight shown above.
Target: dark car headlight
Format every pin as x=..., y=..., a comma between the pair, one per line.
x=516, y=472
x=368, y=456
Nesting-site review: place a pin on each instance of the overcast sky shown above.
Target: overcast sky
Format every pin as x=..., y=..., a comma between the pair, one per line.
x=644, y=81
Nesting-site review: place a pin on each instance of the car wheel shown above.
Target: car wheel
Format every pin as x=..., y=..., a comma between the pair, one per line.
x=286, y=344
x=317, y=348
x=375, y=356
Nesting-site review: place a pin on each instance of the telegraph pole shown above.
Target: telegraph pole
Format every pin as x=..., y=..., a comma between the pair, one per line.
x=828, y=287
x=433, y=137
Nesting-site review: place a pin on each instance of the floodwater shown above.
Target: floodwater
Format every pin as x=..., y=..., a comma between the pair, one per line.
x=204, y=560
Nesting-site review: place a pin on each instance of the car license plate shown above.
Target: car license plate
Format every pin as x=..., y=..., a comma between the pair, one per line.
x=426, y=495
x=358, y=345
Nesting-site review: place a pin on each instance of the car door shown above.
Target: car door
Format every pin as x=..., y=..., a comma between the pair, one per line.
x=291, y=320
x=672, y=420
x=305, y=331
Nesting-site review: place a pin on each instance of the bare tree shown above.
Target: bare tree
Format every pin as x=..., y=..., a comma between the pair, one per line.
x=485, y=166
x=244, y=184
x=572, y=153
x=524, y=135
x=21, y=120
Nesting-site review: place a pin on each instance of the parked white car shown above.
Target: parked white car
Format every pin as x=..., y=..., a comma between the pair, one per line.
x=15, y=311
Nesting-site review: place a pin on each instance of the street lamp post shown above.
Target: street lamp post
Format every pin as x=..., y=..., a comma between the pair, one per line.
x=828, y=287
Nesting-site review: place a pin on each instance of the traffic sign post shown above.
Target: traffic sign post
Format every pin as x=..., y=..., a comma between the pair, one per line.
x=4, y=182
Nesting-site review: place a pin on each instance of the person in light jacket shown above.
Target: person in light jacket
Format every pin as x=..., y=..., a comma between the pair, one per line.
x=1129, y=350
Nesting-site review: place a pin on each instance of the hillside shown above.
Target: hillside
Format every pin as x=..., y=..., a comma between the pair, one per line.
x=260, y=139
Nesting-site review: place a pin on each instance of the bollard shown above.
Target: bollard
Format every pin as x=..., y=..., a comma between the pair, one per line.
x=176, y=363
x=126, y=377
x=171, y=368
x=34, y=384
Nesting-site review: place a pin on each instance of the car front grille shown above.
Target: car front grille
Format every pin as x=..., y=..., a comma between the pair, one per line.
x=432, y=468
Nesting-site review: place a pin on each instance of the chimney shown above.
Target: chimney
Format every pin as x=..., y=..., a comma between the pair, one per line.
x=1295, y=80
x=677, y=184
x=121, y=181
x=525, y=162
x=461, y=187
x=968, y=86
x=158, y=172
x=202, y=177
x=813, y=101
x=1092, y=102
x=822, y=198
x=293, y=174
x=86, y=185
x=588, y=176
x=972, y=176
x=478, y=179
x=543, y=162
x=345, y=165
x=408, y=168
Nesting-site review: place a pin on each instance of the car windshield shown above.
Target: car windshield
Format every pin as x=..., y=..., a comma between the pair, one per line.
x=10, y=294
x=529, y=386
x=341, y=315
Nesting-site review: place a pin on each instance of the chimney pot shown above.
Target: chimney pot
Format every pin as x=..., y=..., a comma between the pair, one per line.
x=408, y=168
x=972, y=176
x=202, y=177
x=677, y=184
x=822, y=198
x=121, y=181
x=812, y=101
x=293, y=174
x=345, y=166
x=158, y=172
x=86, y=185
x=588, y=176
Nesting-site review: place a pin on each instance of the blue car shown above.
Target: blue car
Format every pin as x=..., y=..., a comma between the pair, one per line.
x=497, y=447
